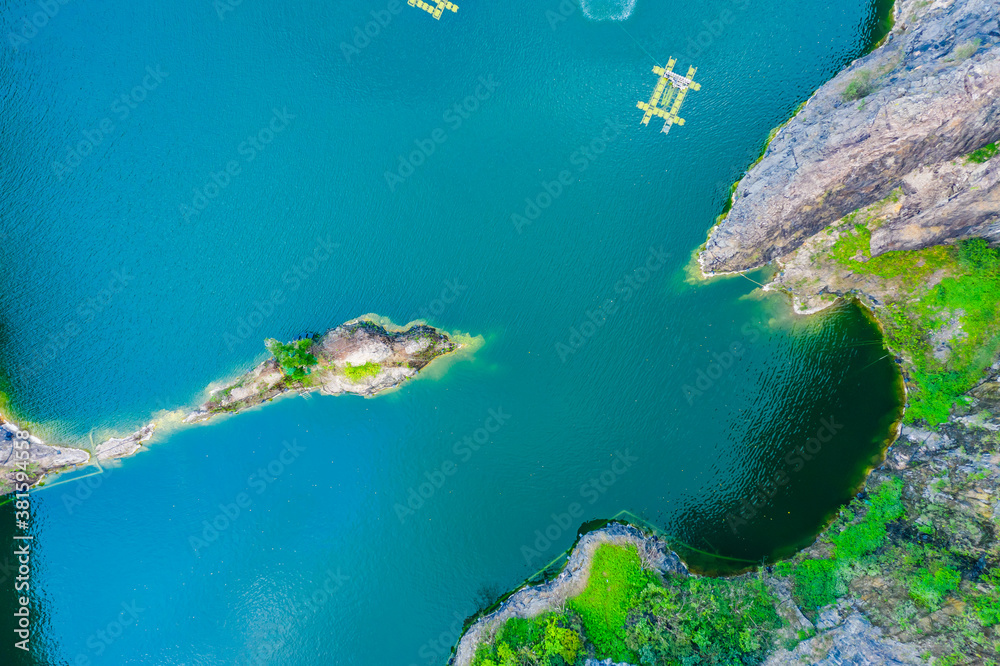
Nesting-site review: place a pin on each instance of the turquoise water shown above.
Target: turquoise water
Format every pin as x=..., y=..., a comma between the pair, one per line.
x=250, y=146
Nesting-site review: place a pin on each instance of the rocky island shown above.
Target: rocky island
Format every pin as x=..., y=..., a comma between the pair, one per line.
x=364, y=356
x=882, y=188
x=361, y=357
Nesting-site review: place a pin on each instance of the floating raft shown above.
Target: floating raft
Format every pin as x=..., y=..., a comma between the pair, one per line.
x=435, y=9
x=668, y=95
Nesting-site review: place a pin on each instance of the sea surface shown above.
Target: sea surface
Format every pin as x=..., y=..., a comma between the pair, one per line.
x=180, y=181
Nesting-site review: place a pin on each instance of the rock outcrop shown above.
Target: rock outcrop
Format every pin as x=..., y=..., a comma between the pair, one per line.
x=933, y=97
x=391, y=355
x=41, y=459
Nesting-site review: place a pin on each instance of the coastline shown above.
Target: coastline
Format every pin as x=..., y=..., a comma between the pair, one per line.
x=389, y=354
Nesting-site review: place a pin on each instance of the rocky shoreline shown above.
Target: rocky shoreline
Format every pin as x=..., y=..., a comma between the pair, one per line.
x=365, y=356
x=897, y=118
x=949, y=482
x=532, y=601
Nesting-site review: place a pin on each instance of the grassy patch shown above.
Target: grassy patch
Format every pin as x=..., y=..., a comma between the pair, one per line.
x=861, y=85
x=819, y=582
x=982, y=155
x=967, y=50
x=616, y=579
x=628, y=614
x=966, y=302
x=358, y=372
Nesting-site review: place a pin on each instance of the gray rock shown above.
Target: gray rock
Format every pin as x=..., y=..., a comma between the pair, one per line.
x=929, y=108
x=853, y=641
x=42, y=459
x=121, y=447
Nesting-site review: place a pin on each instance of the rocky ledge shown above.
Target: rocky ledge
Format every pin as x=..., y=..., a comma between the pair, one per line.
x=904, y=116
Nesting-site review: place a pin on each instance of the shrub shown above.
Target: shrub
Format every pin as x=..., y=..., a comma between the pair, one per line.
x=987, y=606
x=981, y=155
x=293, y=357
x=358, y=372
x=817, y=583
x=628, y=614
x=862, y=85
x=932, y=584
x=547, y=640
x=966, y=50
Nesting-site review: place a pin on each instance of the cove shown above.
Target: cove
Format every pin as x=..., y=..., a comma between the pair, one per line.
x=318, y=567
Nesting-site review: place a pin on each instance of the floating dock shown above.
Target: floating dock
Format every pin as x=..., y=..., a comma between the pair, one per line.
x=668, y=95
x=435, y=9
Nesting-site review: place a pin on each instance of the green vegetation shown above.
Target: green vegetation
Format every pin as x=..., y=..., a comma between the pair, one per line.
x=628, y=614
x=982, y=155
x=551, y=638
x=987, y=606
x=704, y=621
x=966, y=50
x=616, y=579
x=293, y=357
x=819, y=582
x=904, y=577
x=860, y=86
x=358, y=372
x=947, y=331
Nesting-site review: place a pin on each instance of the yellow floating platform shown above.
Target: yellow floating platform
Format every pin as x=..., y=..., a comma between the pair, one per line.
x=435, y=9
x=671, y=87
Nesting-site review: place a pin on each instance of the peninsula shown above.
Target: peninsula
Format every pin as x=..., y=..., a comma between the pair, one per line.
x=365, y=356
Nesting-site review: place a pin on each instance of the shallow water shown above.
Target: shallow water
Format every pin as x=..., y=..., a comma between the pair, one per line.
x=619, y=386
